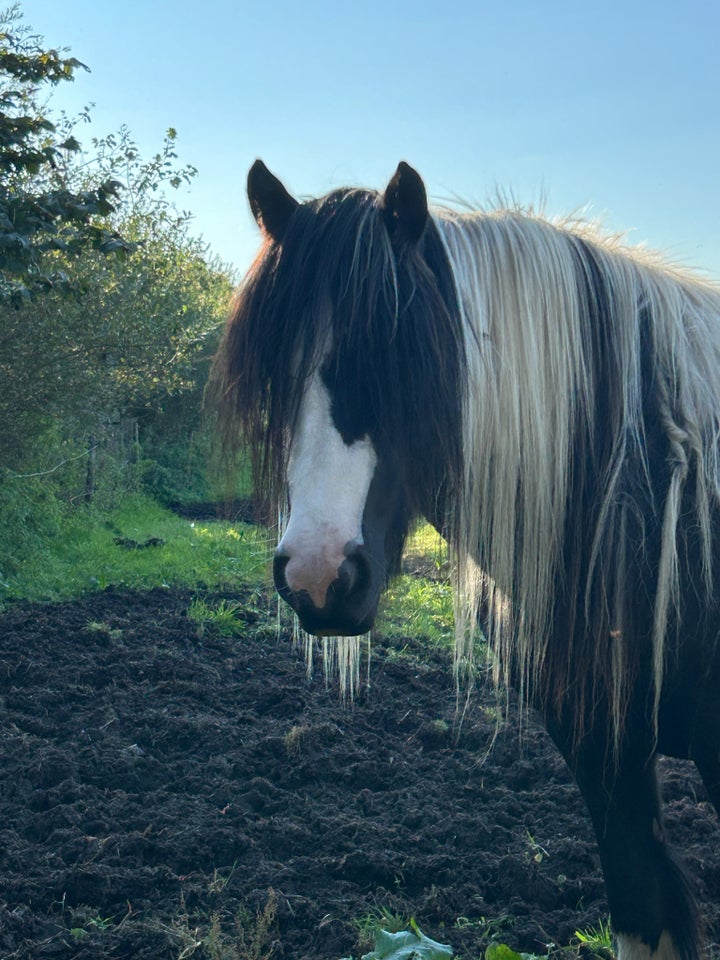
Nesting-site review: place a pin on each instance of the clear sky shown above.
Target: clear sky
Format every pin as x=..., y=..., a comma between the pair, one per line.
x=613, y=104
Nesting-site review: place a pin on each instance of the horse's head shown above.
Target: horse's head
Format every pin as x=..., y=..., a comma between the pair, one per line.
x=348, y=519
x=341, y=367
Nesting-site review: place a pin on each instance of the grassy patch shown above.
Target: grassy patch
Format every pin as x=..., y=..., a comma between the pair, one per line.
x=91, y=551
x=142, y=545
x=418, y=607
x=596, y=941
x=419, y=603
x=425, y=543
x=222, y=618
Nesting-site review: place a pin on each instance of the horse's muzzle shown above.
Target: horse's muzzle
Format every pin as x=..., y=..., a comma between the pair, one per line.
x=350, y=602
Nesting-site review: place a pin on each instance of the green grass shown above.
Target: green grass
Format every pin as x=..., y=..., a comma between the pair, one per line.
x=427, y=543
x=220, y=618
x=81, y=555
x=380, y=918
x=87, y=550
x=420, y=608
x=596, y=940
x=84, y=556
x=420, y=604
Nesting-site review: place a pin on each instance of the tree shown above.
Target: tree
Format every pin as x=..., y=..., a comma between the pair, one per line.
x=110, y=338
x=139, y=329
x=39, y=214
x=95, y=350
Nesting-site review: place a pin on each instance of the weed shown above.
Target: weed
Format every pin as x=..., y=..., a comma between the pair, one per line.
x=98, y=627
x=87, y=923
x=491, y=927
x=597, y=941
x=297, y=739
x=180, y=932
x=219, y=882
x=252, y=936
x=380, y=918
x=535, y=852
x=414, y=606
x=427, y=547
x=222, y=619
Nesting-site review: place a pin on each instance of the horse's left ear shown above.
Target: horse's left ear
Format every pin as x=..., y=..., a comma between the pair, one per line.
x=271, y=204
x=405, y=204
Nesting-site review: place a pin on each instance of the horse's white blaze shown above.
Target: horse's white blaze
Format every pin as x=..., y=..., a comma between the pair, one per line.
x=328, y=483
x=632, y=948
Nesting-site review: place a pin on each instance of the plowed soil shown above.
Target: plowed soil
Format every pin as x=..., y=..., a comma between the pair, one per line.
x=160, y=789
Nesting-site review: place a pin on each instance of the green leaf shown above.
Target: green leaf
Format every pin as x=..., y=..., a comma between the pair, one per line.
x=408, y=945
x=501, y=951
x=70, y=144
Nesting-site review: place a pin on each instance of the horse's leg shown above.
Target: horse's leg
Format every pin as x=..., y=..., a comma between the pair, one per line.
x=651, y=907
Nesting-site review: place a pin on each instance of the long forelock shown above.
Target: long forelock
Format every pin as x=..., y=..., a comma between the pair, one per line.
x=379, y=320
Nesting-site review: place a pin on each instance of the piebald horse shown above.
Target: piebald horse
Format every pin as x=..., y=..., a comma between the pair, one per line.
x=550, y=401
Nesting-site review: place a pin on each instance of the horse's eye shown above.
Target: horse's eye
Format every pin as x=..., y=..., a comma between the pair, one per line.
x=350, y=419
x=349, y=409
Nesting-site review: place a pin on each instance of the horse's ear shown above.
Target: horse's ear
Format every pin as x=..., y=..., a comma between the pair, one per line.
x=405, y=204
x=271, y=204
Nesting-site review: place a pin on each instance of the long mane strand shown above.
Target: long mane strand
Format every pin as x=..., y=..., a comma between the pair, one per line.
x=592, y=403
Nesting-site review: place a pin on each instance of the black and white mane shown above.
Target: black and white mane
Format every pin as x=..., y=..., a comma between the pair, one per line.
x=559, y=354
x=550, y=400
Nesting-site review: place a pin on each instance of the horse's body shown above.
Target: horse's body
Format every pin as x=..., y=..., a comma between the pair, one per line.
x=551, y=402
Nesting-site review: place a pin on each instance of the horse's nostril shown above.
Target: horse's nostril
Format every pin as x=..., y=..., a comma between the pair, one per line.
x=354, y=573
x=280, y=563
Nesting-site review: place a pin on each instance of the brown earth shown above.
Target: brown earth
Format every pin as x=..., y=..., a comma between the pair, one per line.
x=159, y=789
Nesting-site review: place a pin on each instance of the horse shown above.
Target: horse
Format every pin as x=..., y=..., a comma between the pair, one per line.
x=549, y=399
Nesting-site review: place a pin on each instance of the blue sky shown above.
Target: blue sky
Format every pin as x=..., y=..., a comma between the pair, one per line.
x=611, y=104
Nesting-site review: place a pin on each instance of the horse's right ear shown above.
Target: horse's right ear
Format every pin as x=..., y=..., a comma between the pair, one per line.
x=405, y=205
x=271, y=204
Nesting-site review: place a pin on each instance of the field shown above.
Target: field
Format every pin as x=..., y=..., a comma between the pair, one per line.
x=174, y=785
